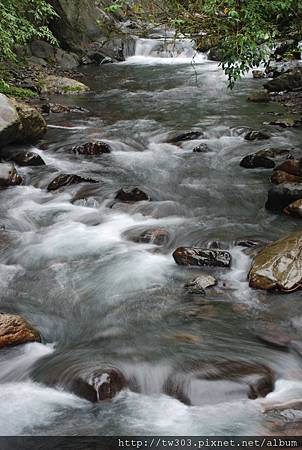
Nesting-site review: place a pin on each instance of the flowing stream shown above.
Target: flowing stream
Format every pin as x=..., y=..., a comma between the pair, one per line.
x=100, y=300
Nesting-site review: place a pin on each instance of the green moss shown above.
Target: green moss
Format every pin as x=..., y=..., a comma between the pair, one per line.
x=15, y=91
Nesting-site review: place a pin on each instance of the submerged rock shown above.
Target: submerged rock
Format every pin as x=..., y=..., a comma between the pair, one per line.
x=131, y=194
x=103, y=385
x=279, y=265
x=279, y=177
x=281, y=195
x=67, y=180
x=9, y=175
x=255, y=161
x=200, y=283
x=259, y=97
x=158, y=236
x=92, y=148
x=14, y=330
x=201, y=148
x=62, y=86
x=207, y=382
x=190, y=136
x=190, y=256
x=254, y=135
x=19, y=122
x=294, y=209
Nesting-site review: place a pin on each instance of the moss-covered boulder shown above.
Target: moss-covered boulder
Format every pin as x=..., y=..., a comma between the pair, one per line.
x=62, y=86
x=279, y=265
x=19, y=122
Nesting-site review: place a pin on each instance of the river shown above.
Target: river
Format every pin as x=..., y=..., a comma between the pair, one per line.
x=101, y=300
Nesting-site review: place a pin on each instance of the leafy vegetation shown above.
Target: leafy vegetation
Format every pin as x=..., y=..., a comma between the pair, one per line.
x=22, y=21
x=15, y=91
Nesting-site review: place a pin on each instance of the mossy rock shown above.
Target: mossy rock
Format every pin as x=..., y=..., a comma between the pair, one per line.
x=62, y=86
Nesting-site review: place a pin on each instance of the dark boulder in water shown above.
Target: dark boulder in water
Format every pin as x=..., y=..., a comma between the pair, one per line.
x=92, y=148
x=192, y=256
x=256, y=136
x=190, y=136
x=67, y=180
x=28, y=159
x=131, y=194
x=282, y=195
x=100, y=386
x=254, y=161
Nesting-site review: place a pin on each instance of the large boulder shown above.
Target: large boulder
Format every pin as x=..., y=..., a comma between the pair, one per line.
x=19, y=122
x=9, y=175
x=281, y=195
x=21, y=157
x=15, y=330
x=279, y=265
x=43, y=50
x=62, y=86
x=192, y=256
x=286, y=82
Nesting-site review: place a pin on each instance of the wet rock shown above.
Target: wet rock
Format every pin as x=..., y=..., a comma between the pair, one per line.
x=255, y=161
x=261, y=387
x=131, y=194
x=14, y=330
x=249, y=243
x=92, y=148
x=294, y=209
x=190, y=136
x=158, y=236
x=279, y=265
x=214, y=54
x=64, y=180
x=9, y=175
x=201, y=148
x=279, y=177
x=256, y=136
x=259, y=97
x=62, y=86
x=190, y=256
x=275, y=153
x=292, y=166
x=103, y=385
x=286, y=82
x=27, y=159
x=282, y=195
x=258, y=74
x=19, y=122
x=59, y=109
x=288, y=122
x=200, y=283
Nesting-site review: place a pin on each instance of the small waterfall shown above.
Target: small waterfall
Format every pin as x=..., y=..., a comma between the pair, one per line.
x=166, y=51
